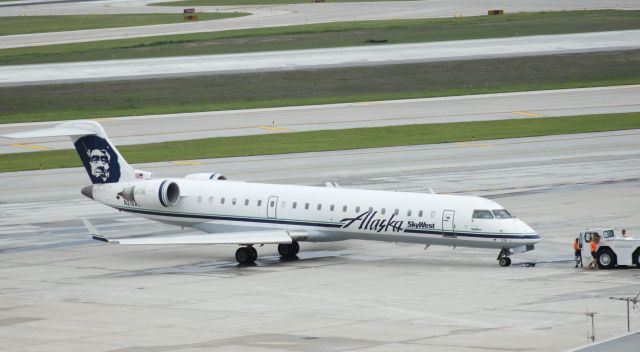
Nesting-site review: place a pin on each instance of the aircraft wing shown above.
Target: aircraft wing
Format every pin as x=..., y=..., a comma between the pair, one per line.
x=249, y=237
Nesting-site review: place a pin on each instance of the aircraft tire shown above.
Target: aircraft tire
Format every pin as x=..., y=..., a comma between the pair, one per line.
x=504, y=261
x=283, y=249
x=294, y=248
x=253, y=252
x=244, y=256
x=289, y=250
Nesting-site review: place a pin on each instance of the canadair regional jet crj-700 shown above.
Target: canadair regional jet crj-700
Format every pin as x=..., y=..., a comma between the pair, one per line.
x=250, y=214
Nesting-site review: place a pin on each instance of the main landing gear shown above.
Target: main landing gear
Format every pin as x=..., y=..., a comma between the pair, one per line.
x=248, y=254
x=503, y=258
x=289, y=250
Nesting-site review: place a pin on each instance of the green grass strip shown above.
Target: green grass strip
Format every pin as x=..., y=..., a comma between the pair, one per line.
x=317, y=141
x=249, y=2
x=329, y=35
x=308, y=87
x=43, y=24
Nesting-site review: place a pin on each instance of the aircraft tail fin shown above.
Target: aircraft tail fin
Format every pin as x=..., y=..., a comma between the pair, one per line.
x=101, y=159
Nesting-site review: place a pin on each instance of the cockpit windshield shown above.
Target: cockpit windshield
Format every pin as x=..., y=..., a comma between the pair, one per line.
x=482, y=214
x=502, y=214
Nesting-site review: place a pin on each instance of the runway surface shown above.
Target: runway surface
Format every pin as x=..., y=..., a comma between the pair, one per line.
x=172, y=127
x=317, y=58
x=271, y=16
x=61, y=291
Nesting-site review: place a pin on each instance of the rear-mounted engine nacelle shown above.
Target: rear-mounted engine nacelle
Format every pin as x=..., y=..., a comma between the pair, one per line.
x=152, y=193
x=206, y=176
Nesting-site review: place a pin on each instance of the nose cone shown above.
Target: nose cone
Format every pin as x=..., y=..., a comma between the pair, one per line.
x=87, y=191
x=528, y=231
x=524, y=227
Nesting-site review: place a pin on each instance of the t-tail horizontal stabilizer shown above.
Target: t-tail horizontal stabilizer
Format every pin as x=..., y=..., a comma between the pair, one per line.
x=101, y=159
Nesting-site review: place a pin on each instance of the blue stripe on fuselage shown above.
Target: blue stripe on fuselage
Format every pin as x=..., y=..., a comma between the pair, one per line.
x=321, y=224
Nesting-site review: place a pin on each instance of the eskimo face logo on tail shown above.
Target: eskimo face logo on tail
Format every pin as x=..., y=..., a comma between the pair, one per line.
x=99, y=159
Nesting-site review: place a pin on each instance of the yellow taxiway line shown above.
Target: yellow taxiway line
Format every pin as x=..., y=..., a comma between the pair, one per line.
x=277, y=129
x=188, y=163
x=526, y=113
x=36, y=147
x=475, y=145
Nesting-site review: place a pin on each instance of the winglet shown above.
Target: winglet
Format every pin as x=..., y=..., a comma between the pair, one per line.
x=104, y=239
x=95, y=234
x=92, y=230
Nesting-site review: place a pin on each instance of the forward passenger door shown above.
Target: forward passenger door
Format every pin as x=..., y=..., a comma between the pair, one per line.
x=448, y=222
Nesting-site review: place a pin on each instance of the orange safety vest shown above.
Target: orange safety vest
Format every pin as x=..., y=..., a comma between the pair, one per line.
x=576, y=247
x=593, y=246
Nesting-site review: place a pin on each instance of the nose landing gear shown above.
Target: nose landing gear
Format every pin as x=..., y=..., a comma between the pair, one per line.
x=503, y=258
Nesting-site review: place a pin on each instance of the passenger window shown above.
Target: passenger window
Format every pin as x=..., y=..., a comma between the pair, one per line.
x=332, y=207
x=608, y=234
x=319, y=206
x=306, y=206
x=383, y=211
x=370, y=209
x=234, y=201
x=273, y=204
x=482, y=214
x=259, y=202
x=344, y=208
x=396, y=212
x=357, y=209
x=409, y=212
x=420, y=213
x=222, y=200
x=246, y=202
x=294, y=205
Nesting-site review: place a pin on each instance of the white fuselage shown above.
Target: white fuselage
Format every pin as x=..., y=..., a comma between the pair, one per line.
x=329, y=214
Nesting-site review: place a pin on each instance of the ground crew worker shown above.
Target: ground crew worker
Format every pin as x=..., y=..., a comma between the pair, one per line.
x=577, y=250
x=594, y=253
x=624, y=233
